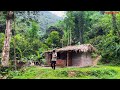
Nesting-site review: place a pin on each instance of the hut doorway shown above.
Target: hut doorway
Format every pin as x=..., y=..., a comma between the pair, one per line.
x=62, y=57
x=65, y=58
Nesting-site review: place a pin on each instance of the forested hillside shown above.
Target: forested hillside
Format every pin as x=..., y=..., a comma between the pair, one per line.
x=38, y=31
x=26, y=35
x=99, y=28
x=28, y=28
x=44, y=18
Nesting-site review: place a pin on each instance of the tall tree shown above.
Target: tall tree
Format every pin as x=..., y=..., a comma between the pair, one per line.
x=81, y=25
x=69, y=20
x=6, y=47
x=53, y=40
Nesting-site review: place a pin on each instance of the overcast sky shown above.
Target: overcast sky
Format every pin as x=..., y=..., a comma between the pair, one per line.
x=58, y=13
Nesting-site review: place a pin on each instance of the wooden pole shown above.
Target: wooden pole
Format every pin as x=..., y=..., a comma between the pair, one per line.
x=68, y=55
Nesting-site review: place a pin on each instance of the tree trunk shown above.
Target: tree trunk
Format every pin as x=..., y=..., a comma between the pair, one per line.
x=70, y=37
x=6, y=47
x=15, y=53
x=15, y=47
x=81, y=26
x=81, y=36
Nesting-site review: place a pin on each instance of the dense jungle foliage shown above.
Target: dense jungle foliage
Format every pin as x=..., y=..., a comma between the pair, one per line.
x=98, y=28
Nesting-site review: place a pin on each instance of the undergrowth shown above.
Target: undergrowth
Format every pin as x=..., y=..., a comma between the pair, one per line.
x=36, y=72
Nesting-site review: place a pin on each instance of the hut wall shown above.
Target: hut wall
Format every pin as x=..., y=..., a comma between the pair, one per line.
x=76, y=59
x=86, y=60
x=81, y=59
x=61, y=62
x=48, y=58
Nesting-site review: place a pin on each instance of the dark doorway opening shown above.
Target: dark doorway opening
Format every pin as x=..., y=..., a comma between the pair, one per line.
x=62, y=55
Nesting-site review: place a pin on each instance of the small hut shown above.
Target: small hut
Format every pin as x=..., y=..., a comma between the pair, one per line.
x=79, y=55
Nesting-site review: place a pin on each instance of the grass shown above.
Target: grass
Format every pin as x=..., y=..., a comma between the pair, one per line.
x=36, y=72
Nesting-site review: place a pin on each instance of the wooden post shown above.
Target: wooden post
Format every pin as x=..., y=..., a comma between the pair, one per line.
x=70, y=59
x=68, y=55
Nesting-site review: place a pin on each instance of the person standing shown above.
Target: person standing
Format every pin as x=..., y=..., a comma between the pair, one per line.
x=54, y=59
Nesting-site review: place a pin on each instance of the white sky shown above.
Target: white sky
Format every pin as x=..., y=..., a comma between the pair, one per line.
x=59, y=13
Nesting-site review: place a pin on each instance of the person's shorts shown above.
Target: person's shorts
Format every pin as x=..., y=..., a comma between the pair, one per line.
x=53, y=62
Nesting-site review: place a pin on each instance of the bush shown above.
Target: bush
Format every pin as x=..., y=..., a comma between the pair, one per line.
x=5, y=70
x=13, y=74
x=43, y=61
x=81, y=74
x=62, y=74
x=101, y=73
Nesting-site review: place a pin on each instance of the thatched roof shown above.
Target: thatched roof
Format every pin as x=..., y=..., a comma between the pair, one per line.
x=80, y=48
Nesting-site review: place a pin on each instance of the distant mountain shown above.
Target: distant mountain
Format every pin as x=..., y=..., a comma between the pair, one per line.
x=45, y=18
